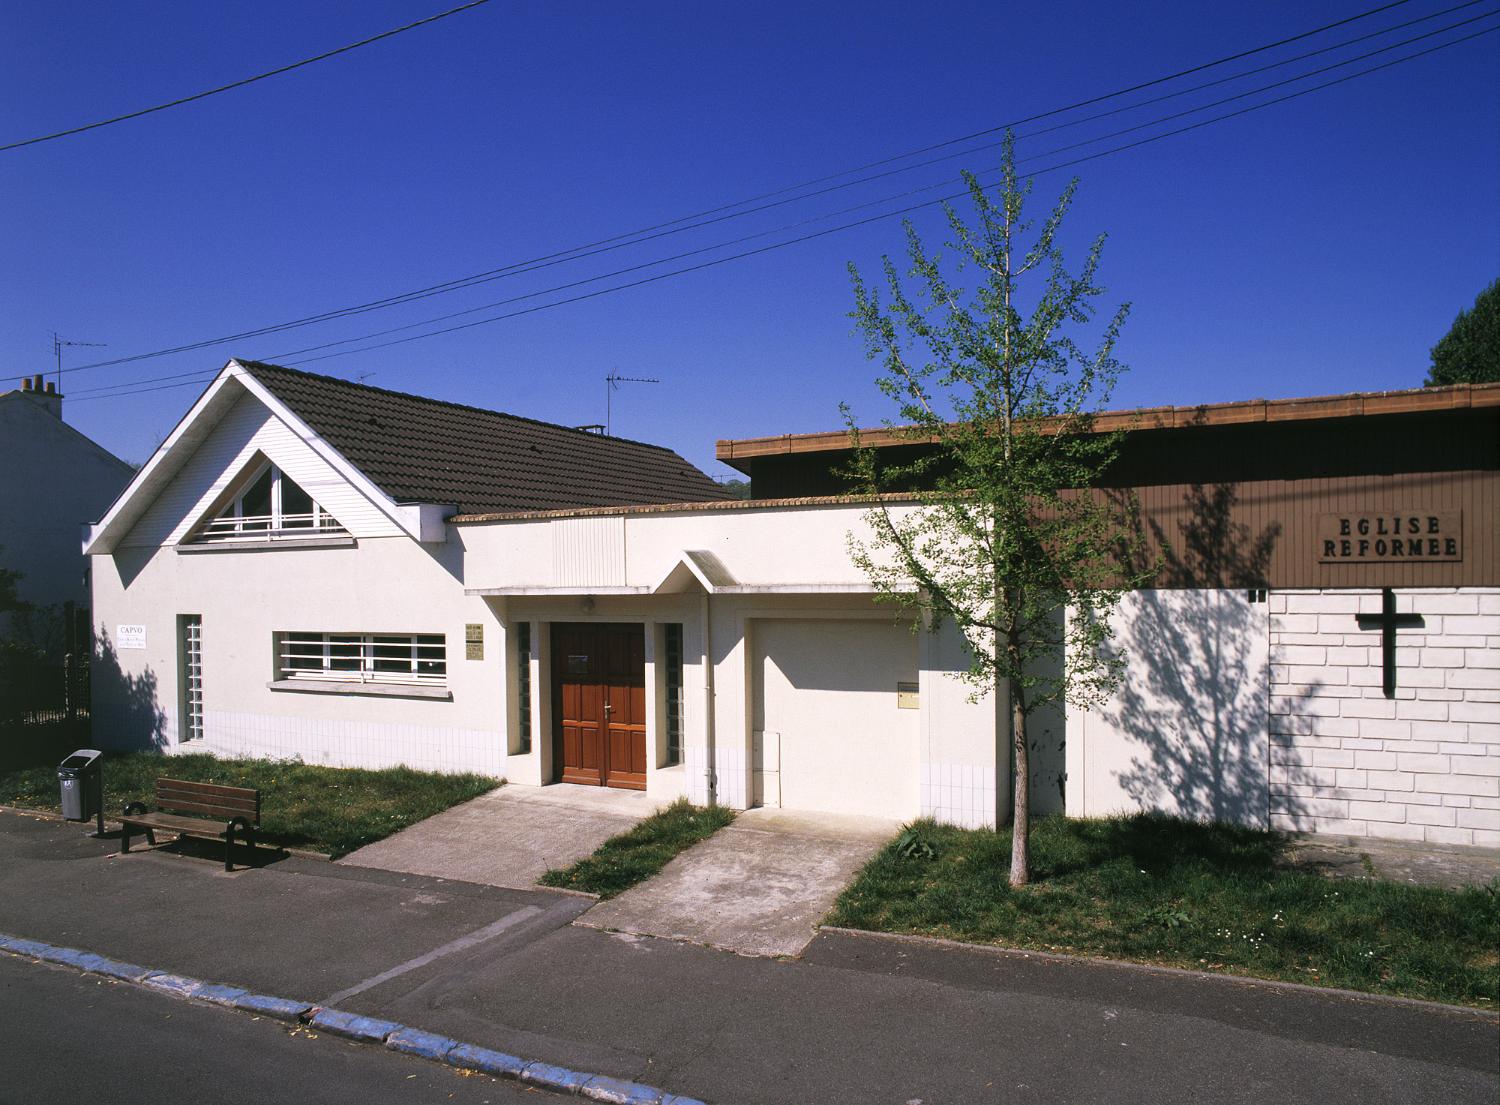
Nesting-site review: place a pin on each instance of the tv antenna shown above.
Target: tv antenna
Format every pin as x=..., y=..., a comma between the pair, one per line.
x=58, y=344
x=613, y=381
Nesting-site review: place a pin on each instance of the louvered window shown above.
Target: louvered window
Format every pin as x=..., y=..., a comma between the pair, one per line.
x=364, y=657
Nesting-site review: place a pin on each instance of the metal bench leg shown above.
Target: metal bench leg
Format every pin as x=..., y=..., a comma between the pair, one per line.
x=124, y=839
x=240, y=825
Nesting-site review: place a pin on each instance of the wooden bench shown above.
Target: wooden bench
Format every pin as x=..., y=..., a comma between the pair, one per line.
x=237, y=809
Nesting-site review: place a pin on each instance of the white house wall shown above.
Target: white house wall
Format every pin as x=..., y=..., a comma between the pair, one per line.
x=759, y=547
x=1186, y=732
x=825, y=715
x=383, y=585
x=247, y=429
x=1243, y=711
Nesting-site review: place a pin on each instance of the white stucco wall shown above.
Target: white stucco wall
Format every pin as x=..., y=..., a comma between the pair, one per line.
x=826, y=709
x=802, y=593
x=1424, y=765
x=937, y=760
x=382, y=585
x=1186, y=732
x=245, y=597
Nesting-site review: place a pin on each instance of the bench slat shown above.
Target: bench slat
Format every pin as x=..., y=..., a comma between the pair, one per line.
x=168, y=794
x=188, y=826
x=210, y=799
x=216, y=789
x=207, y=810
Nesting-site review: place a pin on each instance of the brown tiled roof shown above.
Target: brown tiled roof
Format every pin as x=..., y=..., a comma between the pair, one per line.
x=420, y=450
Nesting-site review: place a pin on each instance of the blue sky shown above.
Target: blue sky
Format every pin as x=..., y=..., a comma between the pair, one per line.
x=1318, y=246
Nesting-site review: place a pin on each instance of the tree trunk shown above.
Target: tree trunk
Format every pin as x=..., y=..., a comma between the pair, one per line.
x=1020, y=838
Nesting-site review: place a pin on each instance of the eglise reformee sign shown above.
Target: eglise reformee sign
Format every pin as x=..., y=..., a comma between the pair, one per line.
x=1375, y=537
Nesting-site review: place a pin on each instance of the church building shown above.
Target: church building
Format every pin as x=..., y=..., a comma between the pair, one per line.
x=313, y=568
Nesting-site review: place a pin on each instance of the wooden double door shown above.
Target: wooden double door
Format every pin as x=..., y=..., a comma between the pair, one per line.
x=599, y=703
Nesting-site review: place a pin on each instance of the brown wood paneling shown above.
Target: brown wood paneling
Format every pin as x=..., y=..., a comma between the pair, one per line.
x=1264, y=533
x=1231, y=495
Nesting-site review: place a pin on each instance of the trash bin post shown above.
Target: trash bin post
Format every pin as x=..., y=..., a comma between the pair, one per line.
x=97, y=767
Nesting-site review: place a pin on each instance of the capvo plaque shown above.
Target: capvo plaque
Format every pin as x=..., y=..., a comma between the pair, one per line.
x=1390, y=536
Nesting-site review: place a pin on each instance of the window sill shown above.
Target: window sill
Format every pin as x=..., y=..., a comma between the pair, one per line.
x=374, y=690
x=261, y=546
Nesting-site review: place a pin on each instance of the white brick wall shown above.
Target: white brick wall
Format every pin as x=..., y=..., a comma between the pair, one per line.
x=1346, y=759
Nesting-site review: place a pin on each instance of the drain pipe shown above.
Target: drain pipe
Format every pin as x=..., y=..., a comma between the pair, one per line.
x=712, y=775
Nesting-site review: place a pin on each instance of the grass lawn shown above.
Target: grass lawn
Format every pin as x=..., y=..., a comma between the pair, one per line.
x=1206, y=897
x=326, y=809
x=640, y=852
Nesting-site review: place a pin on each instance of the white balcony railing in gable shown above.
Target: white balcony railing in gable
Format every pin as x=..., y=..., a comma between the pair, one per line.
x=263, y=527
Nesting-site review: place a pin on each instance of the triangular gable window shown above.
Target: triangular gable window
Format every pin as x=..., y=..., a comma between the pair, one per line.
x=269, y=505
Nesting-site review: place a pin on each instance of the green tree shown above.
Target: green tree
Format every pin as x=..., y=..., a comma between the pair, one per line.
x=1005, y=540
x=9, y=599
x=1469, y=353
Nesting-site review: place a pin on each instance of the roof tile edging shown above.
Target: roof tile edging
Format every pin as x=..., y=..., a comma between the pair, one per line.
x=684, y=508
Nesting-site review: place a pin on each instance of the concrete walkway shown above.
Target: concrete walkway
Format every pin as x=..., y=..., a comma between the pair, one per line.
x=758, y=887
x=510, y=836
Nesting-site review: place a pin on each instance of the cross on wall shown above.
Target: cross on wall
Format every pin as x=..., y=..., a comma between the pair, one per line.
x=1388, y=621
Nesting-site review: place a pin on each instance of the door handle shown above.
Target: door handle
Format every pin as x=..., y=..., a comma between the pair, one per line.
x=608, y=709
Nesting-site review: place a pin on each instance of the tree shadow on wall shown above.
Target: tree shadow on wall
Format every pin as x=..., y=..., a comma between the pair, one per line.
x=126, y=708
x=1195, y=698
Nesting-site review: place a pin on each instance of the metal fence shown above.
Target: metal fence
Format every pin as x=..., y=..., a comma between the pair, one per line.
x=35, y=690
x=41, y=682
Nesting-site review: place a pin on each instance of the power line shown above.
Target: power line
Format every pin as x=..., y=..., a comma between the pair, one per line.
x=904, y=211
x=886, y=199
x=244, y=81
x=832, y=230
x=662, y=229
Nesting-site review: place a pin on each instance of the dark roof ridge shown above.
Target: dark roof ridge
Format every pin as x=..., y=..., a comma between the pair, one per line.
x=254, y=364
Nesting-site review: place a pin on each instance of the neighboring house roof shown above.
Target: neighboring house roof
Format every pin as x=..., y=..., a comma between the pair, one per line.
x=420, y=450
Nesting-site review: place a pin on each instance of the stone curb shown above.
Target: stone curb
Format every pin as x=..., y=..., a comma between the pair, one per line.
x=1000, y=951
x=353, y=1026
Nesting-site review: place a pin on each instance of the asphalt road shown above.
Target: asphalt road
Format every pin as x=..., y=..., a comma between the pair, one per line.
x=858, y=1019
x=74, y=1037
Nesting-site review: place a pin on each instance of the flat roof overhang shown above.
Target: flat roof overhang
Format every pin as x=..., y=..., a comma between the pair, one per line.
x=737, y=452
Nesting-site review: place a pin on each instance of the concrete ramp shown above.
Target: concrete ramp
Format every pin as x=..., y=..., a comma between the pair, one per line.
x=509, y=836
x=759, y=887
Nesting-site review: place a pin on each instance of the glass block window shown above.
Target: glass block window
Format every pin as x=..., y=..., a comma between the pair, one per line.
x=523, y=684
x=673, y=678
x=190, y=648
